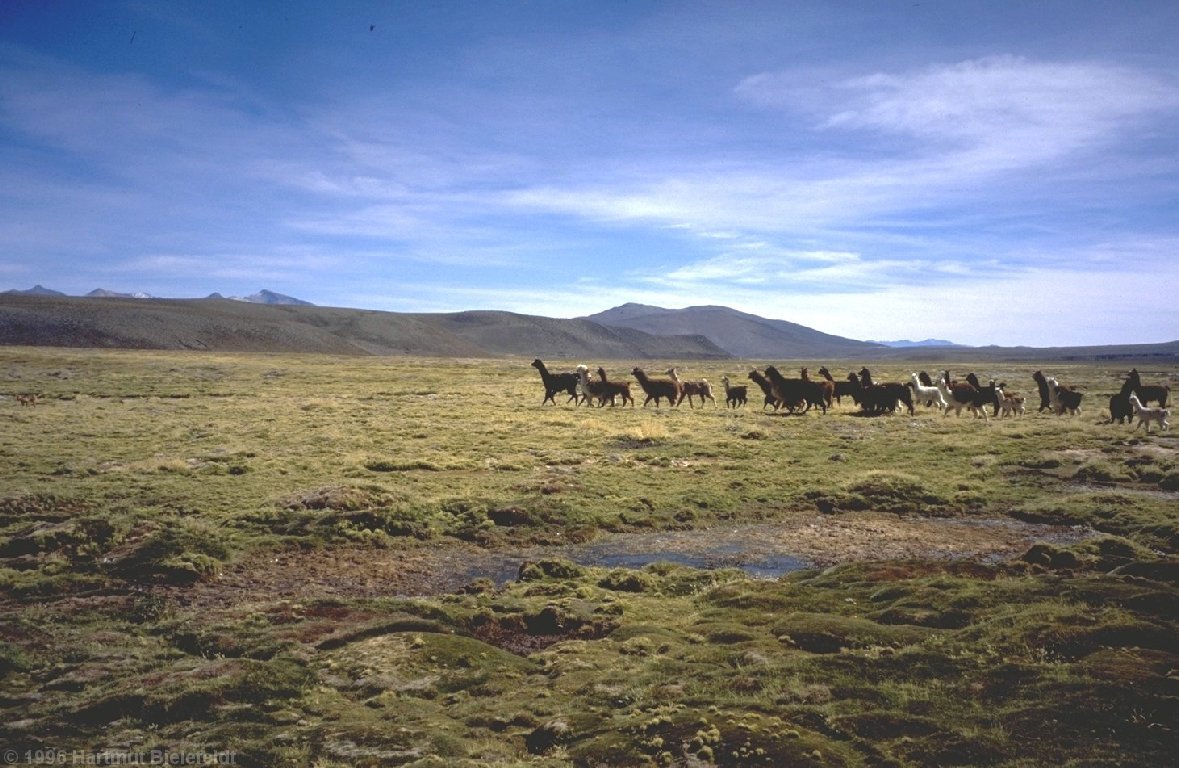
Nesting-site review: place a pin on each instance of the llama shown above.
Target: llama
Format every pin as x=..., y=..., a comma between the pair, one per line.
x=857, y=391
x=734, y=396
x=590, y=389
x=657, y=389
x=1120, y=409
x=1008, y=404
x=1150, y=392
x=1045, y=395
x=790, y=392
x=556, y=382
x=871, y=400
x=959, y=395
x=701, y=389
x=1055, y=396
x=616, y=388
x=688, y=389
x=841, y=388
x=29, y=400
x=824, y=387
x=1011, y=405
x=1063, y=398
x=1146, y=415
x=927, y=393
x=878, y=398
x=987, y=395
x=767, y=389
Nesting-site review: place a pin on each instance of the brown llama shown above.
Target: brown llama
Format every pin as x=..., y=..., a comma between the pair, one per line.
x=688, y=389
x=824, y=387
x=767, y=389
x=615, y=388
x=657, y=389
x=734, y=396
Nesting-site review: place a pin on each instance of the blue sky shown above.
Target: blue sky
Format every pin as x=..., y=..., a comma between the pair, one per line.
x=987, y=172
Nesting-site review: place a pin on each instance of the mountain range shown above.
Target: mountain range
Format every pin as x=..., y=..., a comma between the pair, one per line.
x=50, y=318
x=271, y=322
x=261, y=297
x=906, y=343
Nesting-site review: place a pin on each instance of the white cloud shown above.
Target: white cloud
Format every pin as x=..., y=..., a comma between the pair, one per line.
x=922, y=141
x=991, y=114
x=792, y=273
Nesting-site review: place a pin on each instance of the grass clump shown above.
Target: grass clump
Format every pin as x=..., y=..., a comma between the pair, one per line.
x=1151, y=521
x=180, y=552
x=828, y=633
x=882, y=491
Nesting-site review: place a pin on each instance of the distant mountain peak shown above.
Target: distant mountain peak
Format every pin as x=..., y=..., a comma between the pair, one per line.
x=38, y=290
x=628, y=311
x=102, y=293
x=906, y=343
x=265, y=296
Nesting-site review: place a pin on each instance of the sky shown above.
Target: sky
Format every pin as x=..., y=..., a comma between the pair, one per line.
x=984, y=172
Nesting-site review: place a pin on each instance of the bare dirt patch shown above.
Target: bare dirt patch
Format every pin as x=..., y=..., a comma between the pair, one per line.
x=828, y=541
x=765, y=550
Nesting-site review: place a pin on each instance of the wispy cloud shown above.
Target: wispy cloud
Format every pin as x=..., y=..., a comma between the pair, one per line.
x=997, y=113
x=936, y=135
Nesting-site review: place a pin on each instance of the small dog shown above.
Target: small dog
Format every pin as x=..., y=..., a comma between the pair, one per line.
x=1146, y=415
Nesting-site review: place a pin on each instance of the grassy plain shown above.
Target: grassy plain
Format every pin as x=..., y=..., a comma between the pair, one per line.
x=208, y=554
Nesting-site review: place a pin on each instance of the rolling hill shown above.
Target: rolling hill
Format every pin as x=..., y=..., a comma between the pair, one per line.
x=743, y=335
x=238, y=326
x=506, y=333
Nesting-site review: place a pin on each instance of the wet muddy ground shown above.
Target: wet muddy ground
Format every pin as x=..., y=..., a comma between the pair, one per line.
x=765, y=550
